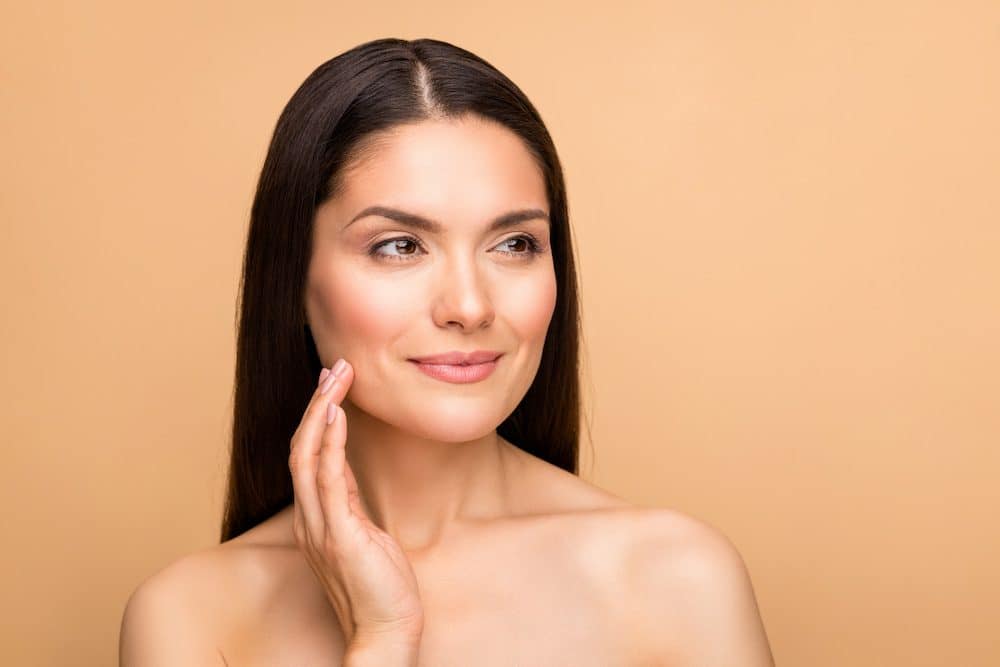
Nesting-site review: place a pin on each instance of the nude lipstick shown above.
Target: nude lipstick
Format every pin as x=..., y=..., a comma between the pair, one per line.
x=458, y=367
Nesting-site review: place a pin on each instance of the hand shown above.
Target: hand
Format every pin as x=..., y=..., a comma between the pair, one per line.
x=365, y=573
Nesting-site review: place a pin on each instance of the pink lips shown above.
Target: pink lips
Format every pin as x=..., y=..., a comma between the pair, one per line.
x=459, y=367
x=456, y=357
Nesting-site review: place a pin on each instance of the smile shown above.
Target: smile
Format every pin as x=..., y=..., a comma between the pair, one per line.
x=457, y=373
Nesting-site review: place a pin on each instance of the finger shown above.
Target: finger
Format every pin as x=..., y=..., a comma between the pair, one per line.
x=333, y=388
x=303, y=458
x=302, y=465
x=331, y=480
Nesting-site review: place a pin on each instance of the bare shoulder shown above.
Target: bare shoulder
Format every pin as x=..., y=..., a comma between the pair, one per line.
x=169, y=619
x=693, y=601
x=185, y=612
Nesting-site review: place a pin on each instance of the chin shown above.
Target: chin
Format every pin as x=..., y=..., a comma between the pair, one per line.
x=450, y=426
x=444, y=419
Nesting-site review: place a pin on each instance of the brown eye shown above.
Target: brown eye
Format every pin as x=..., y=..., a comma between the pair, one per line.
x=399, y=243
x=406, y=243
x=405, y=248
x=532, y=247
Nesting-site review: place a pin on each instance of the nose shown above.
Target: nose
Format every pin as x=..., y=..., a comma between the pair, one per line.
x=463, y=297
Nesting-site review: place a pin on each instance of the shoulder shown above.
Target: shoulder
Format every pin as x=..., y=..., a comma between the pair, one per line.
x=184, y=613
x=165, y=620
x=692, y=598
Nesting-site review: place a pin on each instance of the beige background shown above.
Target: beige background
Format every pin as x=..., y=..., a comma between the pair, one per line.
x=787, y=223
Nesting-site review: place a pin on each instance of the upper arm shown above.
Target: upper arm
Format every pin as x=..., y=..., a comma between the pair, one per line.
x=162, y=624
x=696, y=600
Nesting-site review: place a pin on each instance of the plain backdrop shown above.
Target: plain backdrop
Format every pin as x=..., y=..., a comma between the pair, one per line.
x=786, y=218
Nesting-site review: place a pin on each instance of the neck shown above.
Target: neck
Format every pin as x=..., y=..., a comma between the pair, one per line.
x=416, y=489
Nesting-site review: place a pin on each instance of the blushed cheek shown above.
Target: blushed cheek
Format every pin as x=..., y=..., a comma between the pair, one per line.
x=358, y=317
x=529, y=310
x=362, y=316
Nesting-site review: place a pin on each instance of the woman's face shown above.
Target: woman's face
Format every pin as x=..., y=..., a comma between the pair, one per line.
x=381, y=292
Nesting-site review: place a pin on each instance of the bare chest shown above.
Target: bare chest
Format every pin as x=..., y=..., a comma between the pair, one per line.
x=523, y=613
x=514, y=602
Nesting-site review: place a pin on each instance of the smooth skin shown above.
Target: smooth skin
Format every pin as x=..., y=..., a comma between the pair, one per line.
x=367, y=577
x=379, y=292
x=417, y=534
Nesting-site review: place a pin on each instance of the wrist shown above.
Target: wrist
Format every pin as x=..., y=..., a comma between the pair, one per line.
x=382, y=651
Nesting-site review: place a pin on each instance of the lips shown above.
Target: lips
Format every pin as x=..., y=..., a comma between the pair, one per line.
x=458, y=358
x=459, y=367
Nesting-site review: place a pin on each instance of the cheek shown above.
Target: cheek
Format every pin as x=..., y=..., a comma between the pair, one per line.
x=528, y=308
x=361, y=313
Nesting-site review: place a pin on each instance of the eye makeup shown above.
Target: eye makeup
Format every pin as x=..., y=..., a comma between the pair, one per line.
x=534, y=248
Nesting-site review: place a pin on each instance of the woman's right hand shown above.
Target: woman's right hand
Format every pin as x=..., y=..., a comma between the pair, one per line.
x=367, y=577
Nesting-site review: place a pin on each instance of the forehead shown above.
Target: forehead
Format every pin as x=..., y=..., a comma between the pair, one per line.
x=447, y=169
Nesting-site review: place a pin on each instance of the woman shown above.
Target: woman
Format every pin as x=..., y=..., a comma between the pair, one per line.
x=420, y=503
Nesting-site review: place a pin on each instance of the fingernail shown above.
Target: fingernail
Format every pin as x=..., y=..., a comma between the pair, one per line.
x=331, y=412
x=330, y=379
x=322, y=375
x=339, y=367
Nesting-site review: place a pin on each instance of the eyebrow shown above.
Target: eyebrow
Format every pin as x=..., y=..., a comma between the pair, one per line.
x=418, y=222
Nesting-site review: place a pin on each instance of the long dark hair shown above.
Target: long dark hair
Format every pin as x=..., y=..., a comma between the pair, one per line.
x=324, y=126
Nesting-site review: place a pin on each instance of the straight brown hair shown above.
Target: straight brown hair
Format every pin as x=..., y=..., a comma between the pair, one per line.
x=326, y=125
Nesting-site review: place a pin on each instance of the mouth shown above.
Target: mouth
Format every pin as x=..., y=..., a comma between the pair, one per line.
x=458, y=358
x=459, y=373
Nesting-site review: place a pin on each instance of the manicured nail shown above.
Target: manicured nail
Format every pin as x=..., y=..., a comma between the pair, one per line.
x=322, y=375
x=330, y=379
x=331, y=412
x=339, y=367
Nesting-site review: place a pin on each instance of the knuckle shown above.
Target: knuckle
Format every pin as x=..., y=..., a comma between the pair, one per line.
x=314, y=405
x=324, y=482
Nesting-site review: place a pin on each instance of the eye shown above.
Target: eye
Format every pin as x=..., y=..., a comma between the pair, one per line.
x=399, y=243
x=396, y=243
x=533, y=247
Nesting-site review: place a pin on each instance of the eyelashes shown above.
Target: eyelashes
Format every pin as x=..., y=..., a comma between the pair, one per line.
x=534, y=248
